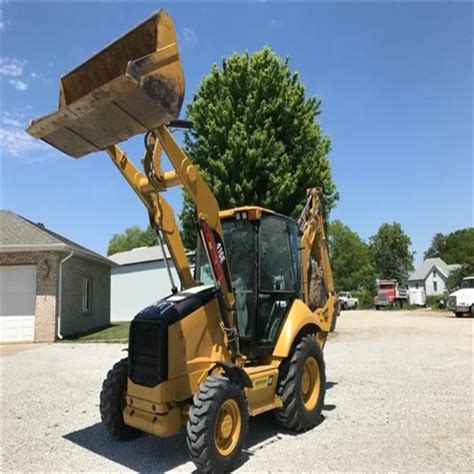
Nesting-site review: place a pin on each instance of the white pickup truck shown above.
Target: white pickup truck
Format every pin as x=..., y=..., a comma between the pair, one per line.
x=347, y=301
x=461, y=302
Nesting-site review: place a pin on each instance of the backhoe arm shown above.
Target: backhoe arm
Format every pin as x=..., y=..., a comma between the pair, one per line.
x=317, y=274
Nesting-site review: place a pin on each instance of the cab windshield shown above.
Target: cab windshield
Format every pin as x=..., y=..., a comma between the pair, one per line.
x=240, y=249
x=467, y=283
x=239, y=242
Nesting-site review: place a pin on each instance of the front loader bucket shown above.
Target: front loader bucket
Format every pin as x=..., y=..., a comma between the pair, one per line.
x=133, y=85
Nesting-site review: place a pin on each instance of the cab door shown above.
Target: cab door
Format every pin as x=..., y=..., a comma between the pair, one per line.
x=279, y=278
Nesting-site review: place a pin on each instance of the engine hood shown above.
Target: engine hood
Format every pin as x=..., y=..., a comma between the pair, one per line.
x=464, y=295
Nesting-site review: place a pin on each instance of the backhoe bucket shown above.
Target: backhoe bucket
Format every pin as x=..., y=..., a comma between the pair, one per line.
x=133, y=85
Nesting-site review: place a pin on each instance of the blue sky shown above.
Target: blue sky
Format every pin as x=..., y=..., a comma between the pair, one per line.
x=395, y=81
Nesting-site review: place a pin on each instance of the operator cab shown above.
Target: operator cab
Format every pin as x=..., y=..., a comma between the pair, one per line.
x=263, y=255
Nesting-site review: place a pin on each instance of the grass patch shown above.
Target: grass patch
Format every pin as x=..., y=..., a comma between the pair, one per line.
x=111, y=333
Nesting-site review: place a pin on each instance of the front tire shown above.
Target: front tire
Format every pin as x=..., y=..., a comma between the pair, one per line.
x=217, y=425
x=112, y=403
x=302, y=386
x=459, y=315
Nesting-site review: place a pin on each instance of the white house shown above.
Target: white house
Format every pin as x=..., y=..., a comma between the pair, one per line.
x=140, y=280
x=431, y=275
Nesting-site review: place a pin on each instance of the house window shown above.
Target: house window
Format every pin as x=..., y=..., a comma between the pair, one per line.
x=416, y=285
x=434, y=273
x=86, y=294
x=435, y=286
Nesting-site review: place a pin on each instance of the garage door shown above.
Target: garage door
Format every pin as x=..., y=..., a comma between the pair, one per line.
x=17, y=303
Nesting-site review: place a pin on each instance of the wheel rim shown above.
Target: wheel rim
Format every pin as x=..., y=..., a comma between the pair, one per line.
x=310, y=384
x=227, y=429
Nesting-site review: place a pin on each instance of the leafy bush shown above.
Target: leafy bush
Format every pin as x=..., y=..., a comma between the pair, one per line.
x=432, y=301
x=366, y=299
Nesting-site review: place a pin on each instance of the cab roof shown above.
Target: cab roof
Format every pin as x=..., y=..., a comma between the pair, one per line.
x=251, y=213
x=231, y=212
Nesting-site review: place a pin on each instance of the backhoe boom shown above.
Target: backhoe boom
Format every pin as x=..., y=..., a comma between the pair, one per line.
x=317, y=280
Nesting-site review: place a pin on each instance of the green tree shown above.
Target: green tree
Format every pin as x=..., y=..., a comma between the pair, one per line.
x=436, y=249
x=255, y=137
x=133, y=237
x=350, y=259
x=459, y=246
x=456, y=247
x=390, y=249
x=456, y=276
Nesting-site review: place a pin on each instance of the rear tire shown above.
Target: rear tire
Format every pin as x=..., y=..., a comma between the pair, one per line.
x=217, y=425
x=112, y=402
x=302, y=386
x=459, y=315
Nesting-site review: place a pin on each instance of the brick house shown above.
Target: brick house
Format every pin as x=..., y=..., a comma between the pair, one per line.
x=50, y=287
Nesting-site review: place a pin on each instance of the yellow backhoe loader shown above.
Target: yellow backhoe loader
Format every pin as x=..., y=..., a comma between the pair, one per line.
x=242, y=335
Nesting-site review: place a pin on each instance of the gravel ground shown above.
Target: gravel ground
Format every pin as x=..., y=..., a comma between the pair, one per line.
x=399, y=398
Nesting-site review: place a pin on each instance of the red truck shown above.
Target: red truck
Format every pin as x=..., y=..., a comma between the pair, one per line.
x=390, y=293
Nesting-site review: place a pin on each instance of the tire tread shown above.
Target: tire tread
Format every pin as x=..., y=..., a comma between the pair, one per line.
x=199, y=428
x=289, y=416
x=110, y=403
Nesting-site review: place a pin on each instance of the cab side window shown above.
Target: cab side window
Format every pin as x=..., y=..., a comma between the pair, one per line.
x=276, y=266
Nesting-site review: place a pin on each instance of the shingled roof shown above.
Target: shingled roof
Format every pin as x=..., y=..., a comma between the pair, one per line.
x=425, y=268
x=142, y=255
x=19, y=234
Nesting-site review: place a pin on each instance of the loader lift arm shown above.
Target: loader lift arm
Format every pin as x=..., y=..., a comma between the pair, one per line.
x=149, y=189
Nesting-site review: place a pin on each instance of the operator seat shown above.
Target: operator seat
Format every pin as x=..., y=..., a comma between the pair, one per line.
x=240, y=291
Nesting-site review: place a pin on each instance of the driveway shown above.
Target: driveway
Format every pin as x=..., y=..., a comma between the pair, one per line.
x=399, y=398
x=12, y=349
